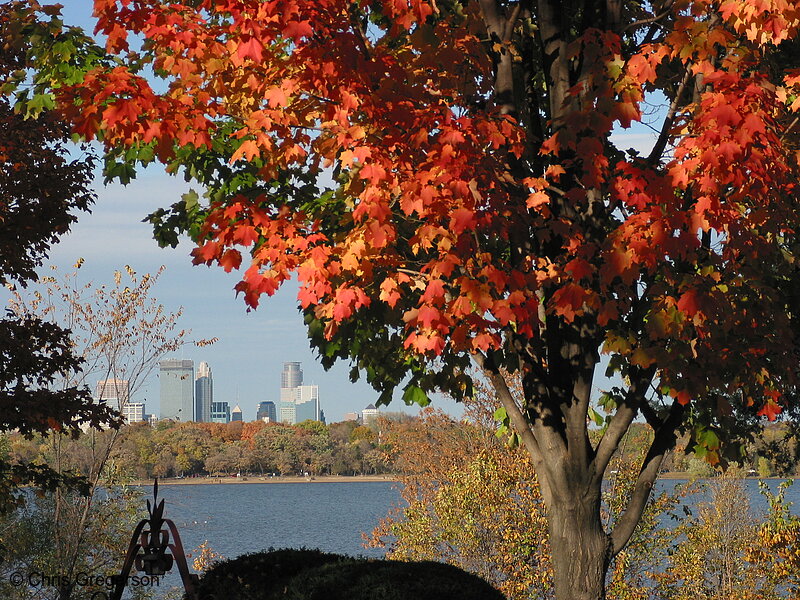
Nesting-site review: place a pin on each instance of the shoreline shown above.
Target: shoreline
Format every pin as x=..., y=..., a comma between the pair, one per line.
x=249, y=479
x=266, y=479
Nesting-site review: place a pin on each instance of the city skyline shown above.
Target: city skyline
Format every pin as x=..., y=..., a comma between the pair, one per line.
x=298, y=402
x=182, y=392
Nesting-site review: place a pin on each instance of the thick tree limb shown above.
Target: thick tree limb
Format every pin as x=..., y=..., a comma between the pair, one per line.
x=650, y=415
x=663, y=442
x=666, y=127
x=626, y=413
x=500, y=30
x=518, y=422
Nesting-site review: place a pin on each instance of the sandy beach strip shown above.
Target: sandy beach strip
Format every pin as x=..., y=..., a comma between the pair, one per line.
x=267, y=479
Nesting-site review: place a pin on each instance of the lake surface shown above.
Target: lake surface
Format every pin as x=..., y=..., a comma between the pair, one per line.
x=235, y=519
x=238, y=518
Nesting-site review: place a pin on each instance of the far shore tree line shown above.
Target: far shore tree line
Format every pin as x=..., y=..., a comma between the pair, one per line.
x=257, y=448
x=173, y=449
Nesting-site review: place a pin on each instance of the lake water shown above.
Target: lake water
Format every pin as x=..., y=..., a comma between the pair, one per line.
x=235, y=519
x=238, y=518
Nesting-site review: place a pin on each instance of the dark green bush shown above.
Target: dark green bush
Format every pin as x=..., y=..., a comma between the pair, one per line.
x=256, y=576
x=388, y=580
x=314, y=575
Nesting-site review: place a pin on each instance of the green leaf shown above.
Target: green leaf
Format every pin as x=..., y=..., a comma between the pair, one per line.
x=596, y=417
x=415, y=395
x=607, y=402
x=190, y=198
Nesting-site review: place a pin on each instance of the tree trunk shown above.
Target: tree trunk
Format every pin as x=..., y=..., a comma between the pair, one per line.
x=580, y=549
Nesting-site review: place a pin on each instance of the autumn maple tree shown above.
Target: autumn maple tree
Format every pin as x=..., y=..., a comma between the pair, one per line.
x=442, y=178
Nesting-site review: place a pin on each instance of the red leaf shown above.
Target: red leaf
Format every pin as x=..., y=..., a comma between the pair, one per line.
x=568, y=301
x=427, y=316
x=770, y=410
x=276, y=97
x=297, y=30
x=688, y=303
x=462, y=219
x=390, y=293
x=230, y=260
x=251, y=48
x=684, y=398
x=374, y=173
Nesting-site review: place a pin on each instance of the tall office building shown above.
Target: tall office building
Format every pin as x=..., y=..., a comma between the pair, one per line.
x=203, y=393
x=298, y=402
x=291, y=379
x=220, y=412
x=307, y=403
x=287, y=412
x=236, y=414
x=114, y=392
x=267, y=412
x=176, y=379
x=292, y=375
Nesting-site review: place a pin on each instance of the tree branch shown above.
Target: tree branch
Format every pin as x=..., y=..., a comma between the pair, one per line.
x=626, y=413
x=508, y=26
x=666, y=127
x=650, y=416
x=519, y=423
x=664, y=441
x=653, y=19
x=500, y=30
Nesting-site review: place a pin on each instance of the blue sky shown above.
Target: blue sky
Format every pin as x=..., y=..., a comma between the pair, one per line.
x=247, y=360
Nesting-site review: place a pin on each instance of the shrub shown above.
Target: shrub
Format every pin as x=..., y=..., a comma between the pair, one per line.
x=314, y=575
x=388, y=580
x=255, y=576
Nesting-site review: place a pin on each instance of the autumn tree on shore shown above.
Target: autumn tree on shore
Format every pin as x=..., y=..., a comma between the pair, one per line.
x=42, y=190
x=120, y=332
x=441, y=177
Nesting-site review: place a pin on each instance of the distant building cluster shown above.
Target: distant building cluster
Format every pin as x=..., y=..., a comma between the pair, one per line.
x=298, y=402
x=116, y=393
x=188, y=397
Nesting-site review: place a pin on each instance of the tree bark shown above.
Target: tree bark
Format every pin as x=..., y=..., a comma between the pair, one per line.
x=580, y=548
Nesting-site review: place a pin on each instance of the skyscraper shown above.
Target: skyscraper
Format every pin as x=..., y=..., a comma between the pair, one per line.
x=236, y=414
x=292, y=375
x=287, y=412
x=176, y=378
x=298, y=402
x=114, y=392
x=220, y=412
x=307, y=403
x=203, y=393
x=266, y=411
x=291, y=379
